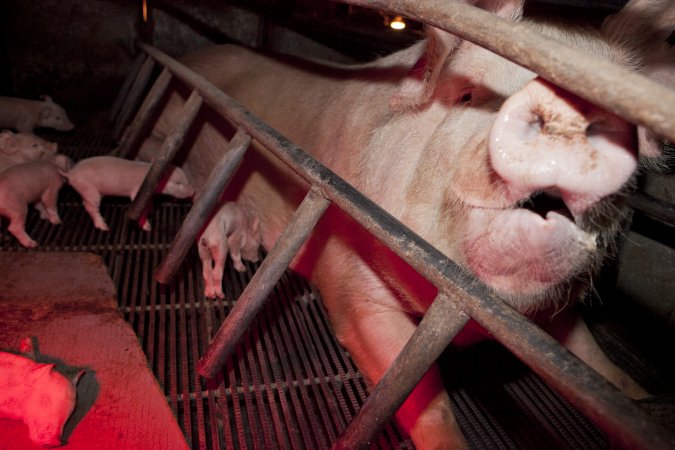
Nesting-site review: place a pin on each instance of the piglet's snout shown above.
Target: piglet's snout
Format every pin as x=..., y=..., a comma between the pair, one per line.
x=547, y=139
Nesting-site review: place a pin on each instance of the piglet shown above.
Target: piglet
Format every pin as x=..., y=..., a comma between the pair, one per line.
x=231, y=229
x=26, y=115
x=16, y=148
x=98, y=176
x=37, y=394
x=35, y=182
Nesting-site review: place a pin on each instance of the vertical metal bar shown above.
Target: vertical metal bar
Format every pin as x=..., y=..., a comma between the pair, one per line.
x=148, y=108
x=202, y=207
x=251, y=300
x=440, y=324
x=134, y=95
x=124, y=90
x=169, y=148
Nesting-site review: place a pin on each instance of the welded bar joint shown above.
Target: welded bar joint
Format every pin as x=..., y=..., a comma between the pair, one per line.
x=266, y=277
x=132, y=133
x=169, y=148
x=202, y=206
x=441, y=323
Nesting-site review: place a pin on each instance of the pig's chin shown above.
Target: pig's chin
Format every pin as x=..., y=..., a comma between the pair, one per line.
x=521, y=254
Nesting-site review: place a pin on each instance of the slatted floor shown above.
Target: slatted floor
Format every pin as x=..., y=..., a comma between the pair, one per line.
x=290, y=384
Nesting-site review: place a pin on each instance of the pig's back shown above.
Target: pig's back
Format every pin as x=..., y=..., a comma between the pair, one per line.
x=108, y=173
x=302, y=99
x=30, y=179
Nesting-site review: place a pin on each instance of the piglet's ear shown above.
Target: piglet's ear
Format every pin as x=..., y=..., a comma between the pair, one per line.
x=419, y=85
x=40, y=371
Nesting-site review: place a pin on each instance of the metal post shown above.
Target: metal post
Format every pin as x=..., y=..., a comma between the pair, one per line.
x=135, y=92
x=124, y=90
x=439, y=326
x=202, y=207
x=258, y=289
x=169, y=148
x=653, y=206
x=132, y=133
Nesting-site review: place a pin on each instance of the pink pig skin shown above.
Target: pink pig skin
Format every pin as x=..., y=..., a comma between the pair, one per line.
x=99, y=176
x=35, y=182
x=38, y=395
x=25, y=115
x=16, y=148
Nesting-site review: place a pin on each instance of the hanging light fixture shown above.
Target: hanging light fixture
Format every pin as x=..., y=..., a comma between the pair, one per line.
x=144, y=8
x=397, y=23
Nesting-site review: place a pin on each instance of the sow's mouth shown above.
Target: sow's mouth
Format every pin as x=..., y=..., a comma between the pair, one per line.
x=543, y=202
x=525, y=250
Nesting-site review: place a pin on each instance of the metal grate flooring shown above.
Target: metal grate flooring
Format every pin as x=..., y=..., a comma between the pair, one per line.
x=290, y=384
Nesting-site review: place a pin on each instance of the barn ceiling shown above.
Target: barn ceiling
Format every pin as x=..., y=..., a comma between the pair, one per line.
x=362, y=33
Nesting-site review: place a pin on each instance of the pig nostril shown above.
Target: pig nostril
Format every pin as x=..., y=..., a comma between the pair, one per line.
x=531, y=127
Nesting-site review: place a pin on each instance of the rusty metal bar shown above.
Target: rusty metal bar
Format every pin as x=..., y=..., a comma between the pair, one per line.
x=132, y=133
x=634, y=97
x=258, y=289
x=135, y=92
x=124, y=90
x=439, y=326
x=202, y=207
x=653, y=207
x=168, y=150
x=601, y=401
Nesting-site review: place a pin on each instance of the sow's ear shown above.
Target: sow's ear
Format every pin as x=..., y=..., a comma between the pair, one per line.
x=418, y=86
x=646, y=28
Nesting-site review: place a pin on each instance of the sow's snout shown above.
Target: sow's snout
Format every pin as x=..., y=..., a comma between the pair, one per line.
x=554, y=156
x=547, y=139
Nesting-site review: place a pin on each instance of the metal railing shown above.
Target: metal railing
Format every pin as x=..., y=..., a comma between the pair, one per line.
x=460, y=296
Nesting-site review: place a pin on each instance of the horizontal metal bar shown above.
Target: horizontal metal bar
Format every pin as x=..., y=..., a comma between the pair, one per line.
x=438, y=327
x=634, y=97
x=654, y=207
x=258, y=289
x=600, y=400
x=202, y=207
x=148, y=108
x=168, y=150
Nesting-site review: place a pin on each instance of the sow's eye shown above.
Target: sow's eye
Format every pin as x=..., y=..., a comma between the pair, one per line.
x=464, y=97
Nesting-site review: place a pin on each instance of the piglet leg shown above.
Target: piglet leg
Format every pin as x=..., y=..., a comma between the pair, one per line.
x=219, y=254
x=92, y=203
x=235, y=241
x=207, y=268
x=49, y=202
x=41, y=209
x=17, y=226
